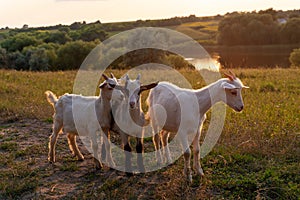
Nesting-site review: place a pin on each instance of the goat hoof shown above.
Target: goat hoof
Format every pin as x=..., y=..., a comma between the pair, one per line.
x=200, y=172
x=169, y=161
x=80, y=159
x=112, y=165
x=111, y=169
x=190, y=179
x=129, y=174
x=99, y=166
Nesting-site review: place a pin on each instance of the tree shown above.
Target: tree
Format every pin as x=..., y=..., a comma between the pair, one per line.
x=19, y=41
x=76, y=25
x=92, y=32
x=59, y=37
x=177, y=62
x=16, y=60
x=3, y=58
x=290, y=31
x=71, y=55
x=248, y=29
x=295, y=58
x=42, y=57
x=269, y=11
x=51, y=49
x=39, y=60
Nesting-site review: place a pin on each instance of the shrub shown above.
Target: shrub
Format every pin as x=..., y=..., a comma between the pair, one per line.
x=295, y=57
x=71, y=55
x=3, y=58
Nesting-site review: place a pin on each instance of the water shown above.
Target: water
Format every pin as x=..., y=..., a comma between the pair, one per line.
x=252, y=57
x=205, y=63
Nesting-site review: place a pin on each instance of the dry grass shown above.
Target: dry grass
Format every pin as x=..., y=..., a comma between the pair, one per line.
x=257, y=155
x=204, y=32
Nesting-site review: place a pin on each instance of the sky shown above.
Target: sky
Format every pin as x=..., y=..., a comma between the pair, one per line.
x=16, y=13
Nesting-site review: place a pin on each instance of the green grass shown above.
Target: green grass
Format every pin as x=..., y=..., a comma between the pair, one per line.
x=204, y=32
x=257, y=155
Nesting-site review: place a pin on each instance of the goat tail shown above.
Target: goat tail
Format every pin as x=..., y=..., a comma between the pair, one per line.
x=51, y=98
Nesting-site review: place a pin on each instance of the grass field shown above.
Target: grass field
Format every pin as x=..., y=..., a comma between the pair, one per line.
x=203, y=32
x=257, y=155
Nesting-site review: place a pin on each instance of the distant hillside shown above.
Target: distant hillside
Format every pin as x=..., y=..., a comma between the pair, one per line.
x=64, y=47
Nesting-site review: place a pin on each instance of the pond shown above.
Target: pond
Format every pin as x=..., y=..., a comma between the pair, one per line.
x=252, y=56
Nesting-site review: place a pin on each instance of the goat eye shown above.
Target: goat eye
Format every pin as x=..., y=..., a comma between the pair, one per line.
x=112, y=85
x=234, y=93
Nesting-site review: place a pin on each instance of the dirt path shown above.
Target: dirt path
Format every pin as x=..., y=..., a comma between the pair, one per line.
x=28, y=175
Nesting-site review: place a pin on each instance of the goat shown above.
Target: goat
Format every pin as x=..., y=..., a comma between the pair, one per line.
x=79, y=115
x=129, y=120
x=185, y=113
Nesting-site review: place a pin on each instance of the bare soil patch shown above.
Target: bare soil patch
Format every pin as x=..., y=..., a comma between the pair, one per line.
x=26, y=164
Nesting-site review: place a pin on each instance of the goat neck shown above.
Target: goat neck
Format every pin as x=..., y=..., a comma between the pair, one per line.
x=103, y=108
x=209, y=95
x=136, y=115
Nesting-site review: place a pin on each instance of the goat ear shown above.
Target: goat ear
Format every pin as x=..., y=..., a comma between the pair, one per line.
x=244, y=86
x=148, y=87
x=105, y=77
x=127, y=77
x=226, y=85
x=102, y=85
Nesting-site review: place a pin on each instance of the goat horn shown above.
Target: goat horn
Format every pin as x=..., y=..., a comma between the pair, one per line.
x=112, y=75
x=229, y=76
x=232, y=74
x=105, y=77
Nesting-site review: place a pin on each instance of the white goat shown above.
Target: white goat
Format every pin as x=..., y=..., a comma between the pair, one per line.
x=129, y=119
x=185, y=113
x=93, y=115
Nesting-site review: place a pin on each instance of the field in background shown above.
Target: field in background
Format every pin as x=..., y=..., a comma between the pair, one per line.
x=203, y=32
x=257, y=155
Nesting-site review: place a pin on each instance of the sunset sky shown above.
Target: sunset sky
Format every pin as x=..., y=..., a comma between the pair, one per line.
x=16, y=13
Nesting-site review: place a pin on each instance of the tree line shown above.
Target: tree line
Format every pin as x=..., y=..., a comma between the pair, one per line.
x=266, y=27
x=38, y=49
x=63, y=47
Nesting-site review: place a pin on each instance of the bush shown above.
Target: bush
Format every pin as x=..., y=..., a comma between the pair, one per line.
x=3, y=58
x=295, y=58
x=72, y=54
x=248, y=29
x=177, y=62
x=19, y=41
x=17, y=61
x=59, y=37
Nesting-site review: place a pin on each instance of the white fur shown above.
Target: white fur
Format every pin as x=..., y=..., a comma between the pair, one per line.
x=184, y=112
x=93, y=115
x=129, y=120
